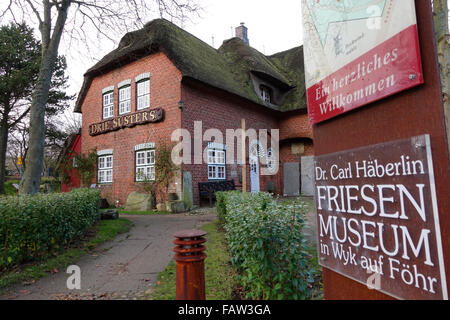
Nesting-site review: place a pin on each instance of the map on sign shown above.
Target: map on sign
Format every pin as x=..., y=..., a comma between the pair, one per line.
x=357, y=52
x=325, y=12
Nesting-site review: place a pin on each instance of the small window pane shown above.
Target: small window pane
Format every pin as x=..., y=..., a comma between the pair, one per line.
x=109, y=162
x=221, y=172
x=101, y=162
x=108, y=105
x=101, y=176
x=124, y=100
x=212, y=172
x=266, y=94
x=140, y=158
x=211, y=157
x=220, y=157
x=151, y=157
x=143, y=94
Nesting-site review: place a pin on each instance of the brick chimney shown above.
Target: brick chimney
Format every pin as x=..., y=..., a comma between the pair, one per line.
x=242, y=33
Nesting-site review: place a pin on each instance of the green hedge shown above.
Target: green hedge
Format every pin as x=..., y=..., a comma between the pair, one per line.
x=267, y=245
x=34, y=226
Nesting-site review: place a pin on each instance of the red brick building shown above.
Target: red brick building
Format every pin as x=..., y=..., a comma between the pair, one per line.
x=161, y=78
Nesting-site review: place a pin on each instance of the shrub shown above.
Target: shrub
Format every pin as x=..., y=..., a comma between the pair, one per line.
x=32, y=227
x=221, y=207
x=50, y=184
x=267, y=245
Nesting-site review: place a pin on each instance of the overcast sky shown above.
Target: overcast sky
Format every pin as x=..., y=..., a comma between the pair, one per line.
x=274, y=26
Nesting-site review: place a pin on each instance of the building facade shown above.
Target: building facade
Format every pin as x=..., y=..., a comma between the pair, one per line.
x=162, y=79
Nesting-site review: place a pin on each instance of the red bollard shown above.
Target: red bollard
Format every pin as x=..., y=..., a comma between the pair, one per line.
x=190, y=257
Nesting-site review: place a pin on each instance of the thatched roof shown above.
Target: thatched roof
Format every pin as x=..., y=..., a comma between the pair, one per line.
x=227, y=68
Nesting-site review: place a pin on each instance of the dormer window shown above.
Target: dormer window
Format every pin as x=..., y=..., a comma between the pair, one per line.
x=265, y=93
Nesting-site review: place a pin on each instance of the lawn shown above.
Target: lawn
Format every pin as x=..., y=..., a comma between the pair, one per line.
x=219, y=275
x=103, y=231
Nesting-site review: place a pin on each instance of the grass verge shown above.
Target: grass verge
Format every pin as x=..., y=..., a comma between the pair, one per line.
x=220, y=277
x=316, y=288
x=103, y=231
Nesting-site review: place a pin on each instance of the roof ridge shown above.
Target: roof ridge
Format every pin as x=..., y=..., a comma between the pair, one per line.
x=227, y=68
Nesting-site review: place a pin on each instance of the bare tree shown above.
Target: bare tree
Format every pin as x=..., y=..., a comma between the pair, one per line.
x=71, y=122
x=76, y=18
x=18, y=144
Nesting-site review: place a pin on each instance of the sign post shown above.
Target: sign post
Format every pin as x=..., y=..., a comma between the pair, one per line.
x=382, y=170
x=244, y=159
x=20, y=165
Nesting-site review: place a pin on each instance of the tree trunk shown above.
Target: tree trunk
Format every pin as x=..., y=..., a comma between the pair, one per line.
x=31, y=179
x=3, y=146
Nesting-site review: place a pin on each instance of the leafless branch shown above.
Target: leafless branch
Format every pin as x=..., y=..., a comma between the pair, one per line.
x=38, y=16
x=8, y=8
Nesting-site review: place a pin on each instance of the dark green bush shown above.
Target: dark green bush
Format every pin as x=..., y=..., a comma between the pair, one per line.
x=32, y=227
x=267, y=244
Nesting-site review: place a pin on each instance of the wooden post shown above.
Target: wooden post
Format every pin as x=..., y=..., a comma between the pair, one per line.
x=244, y=160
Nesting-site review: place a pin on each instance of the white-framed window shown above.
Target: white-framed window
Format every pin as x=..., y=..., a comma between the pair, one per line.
x=105, y=169
x=145, y=165
x=143, y=94
x=125, y=100
x=74, y=162
x=266, y=93
x=108, y=105
x=216, y=164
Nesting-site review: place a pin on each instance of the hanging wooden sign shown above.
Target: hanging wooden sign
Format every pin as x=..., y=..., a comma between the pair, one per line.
x=127, y=121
